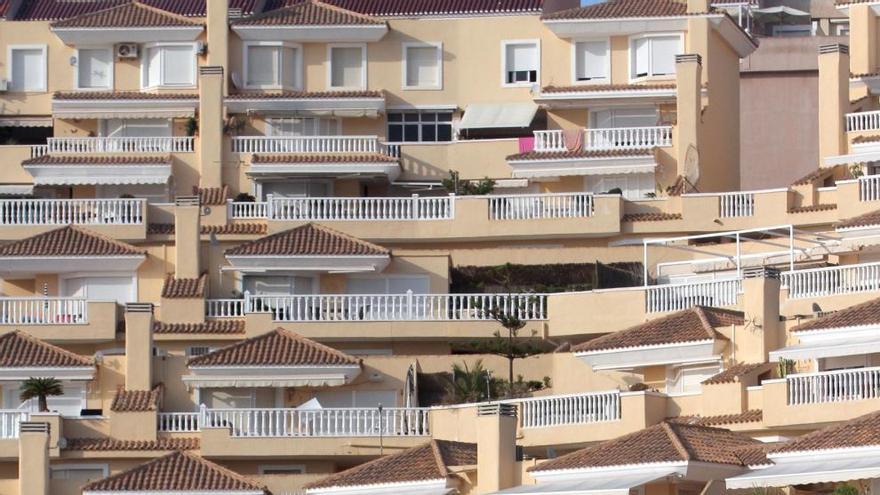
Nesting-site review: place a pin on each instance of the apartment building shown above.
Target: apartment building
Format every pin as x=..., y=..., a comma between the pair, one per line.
x=238, y=234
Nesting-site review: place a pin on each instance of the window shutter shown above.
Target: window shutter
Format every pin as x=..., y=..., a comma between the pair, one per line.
x=522, y=57
x=641, y=57
x=289, y=66
x=591, y=60
x=27, y=69
x=95, y=67
x=154, y=67
x=262, y=65
x=421, y=66
x=663, y=55
x=346, y=66
x=177, y=65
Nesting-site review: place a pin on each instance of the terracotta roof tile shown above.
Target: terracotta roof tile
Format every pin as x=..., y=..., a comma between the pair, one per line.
x=752, y=416
x=735, y=372
x=430, y=461
x=690, y=325
x=277, y=348
x=598, y=88
x=664, y=442
x=219, y=327
x=812, y=209
x=122, y=95
x=866, y=313
x=305, y=95
x=127, y=15
x=869, y=219
x=34, y=10
x=419, y=8
x=97, y=160
x=581, y=154
x=21, y=350
x=865, y=139
x=651, y=217
x=815, y=176
x=211, y=196
x=308, y=240
x=862, y=431
x=310, y=13
x=109, y=444
x=179, y=288
x=137, y=400
x=69, y=241
x=178, y=471
x=322, y=158
x=620, y=9
x=238, y=228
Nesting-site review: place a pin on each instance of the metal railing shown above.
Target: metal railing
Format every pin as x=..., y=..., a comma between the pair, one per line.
x=166, y=144
x=306, y=144
x=608, y=138
x=43, y=311
x=832, y=280
x=539, y=206
x=737, y=204
x=676, y=297
x=178, y=422
x=833, y=386
x=10, y=421
x=330, y=422
x=869, y=188
x=224, y=308
x=592, y=407
x=356, y=209
x=863, y=121
x=72, y=211
x=398, y=307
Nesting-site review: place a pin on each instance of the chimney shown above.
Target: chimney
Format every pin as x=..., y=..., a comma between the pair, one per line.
x=139, y=346
x=496, y=447
x=218, y=34
x=862, y=27
x=697, y=6
x=211, y=125
x=762, y=332
x=689, y=107
x=33, y=458
x=187, y=236
x=833, y=99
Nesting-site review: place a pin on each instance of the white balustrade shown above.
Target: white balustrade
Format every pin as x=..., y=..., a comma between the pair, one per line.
x=39, y=150
x=832, y=280
x=224, y=308
x=593, y=407
x=538, y=206
x=833, y=386
x=628, y=138
x=166, y=144
x=10, y=420
x=869, y=188
x=72, y=211
x=330, y=422
x=306, y=144
x=398, y=307
x=863, y=121
x=549, y=141
x=178, y=422
x=737, y=204
x=676, y=297
x=42, y=311
x=249, y=209
x=356, y=209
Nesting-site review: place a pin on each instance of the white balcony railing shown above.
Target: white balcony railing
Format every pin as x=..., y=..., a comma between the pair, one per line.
x=833, y=386
x=676, y=297
x=609, y=138
x=249, y=210
x=359, y=209
x=331, y=422
x=869, y=188
x=593, y=407
x=549, y=140
x=39, y=150
x=224, y=308
x=166, y=144
x=737, y=204
x=72, y=211
x=863, y=121
x=398, y=307
x=538, y=206
x=832, y=280
x=10, y=420
x=306, y=144
x=42, y=311
x=178, y=422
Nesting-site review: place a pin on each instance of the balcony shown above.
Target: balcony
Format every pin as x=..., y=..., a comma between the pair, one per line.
x=616, y=138
x=52, y=318
x=863, y=121
x=310, y=144
x=676, y=297
x=804, y=398
x=90, y=145
x=558, y=410
x=118, y=218
x=832, y=280
x=10, y=420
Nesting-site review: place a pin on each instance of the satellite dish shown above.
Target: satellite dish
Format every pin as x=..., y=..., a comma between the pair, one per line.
x=692, y=165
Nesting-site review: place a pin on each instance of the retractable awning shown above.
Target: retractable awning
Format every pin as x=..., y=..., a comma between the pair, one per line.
x=619, y=484
x=25, y=121
x=498, y=115
x=808, y=470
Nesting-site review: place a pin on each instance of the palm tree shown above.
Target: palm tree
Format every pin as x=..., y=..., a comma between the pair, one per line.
x=41, y=388
x=469, y=384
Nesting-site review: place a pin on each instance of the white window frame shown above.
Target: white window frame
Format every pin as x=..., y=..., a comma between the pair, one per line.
x=673, y=376
x=631, y=55
x=45, y=54
x=297, y=63
x=110, y=82
x=145, y=83
x=64, y=277
x=504, y=44
x=292, y=468
x=329, y=63
x=81, y=467
x=574, y=56
x=427, y=44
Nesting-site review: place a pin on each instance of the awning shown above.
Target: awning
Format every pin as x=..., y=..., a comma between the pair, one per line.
x=25, y=121
x=498, y=115
x=99, y=174
x=271, y=376
x=16, y=189
x=844, y=344
x=619, y=484
x=809, y=470
x=779, y=13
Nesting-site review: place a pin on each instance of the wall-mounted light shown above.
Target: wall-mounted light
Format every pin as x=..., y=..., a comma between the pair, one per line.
x=73, y=60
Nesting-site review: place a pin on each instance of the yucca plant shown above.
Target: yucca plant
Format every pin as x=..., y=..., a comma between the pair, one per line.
x=42, y=389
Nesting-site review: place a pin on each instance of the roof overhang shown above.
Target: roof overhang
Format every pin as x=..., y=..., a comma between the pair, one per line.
x=636, y=164
x=17, y=267
x=99, y=173
x=335, y=106
x=637, y=357
x=810, y=467
x=16, y=189
x=121, y=108
x=25, y=121
x=619, y=479
x=94, y=35
x=874, y=6
x=271, y=376
x=323, y=264
x=585, y=97
x=183, y=492
x=83, y=373
x=388, y=170
x=851, y=341
x=438, y=486
x=313, y=34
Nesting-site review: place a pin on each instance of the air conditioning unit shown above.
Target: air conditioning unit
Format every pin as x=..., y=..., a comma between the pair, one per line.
x=127, y=50
x=4, y=85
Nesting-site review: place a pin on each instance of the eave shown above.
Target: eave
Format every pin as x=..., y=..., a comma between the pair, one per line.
x=103, y=174
x=638, y=357
x=24, y=266
x=304, y=263
x=636, y=164
x=93, y=35
x=313, y=34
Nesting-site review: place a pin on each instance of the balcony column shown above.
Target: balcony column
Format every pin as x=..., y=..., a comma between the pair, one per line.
x=217, y=20
x=211, y=125
x=834, y=63
x=689, y=106
x=139, y=346
x=863, y=33
x=33, y=458
x=760, y=303
x=496, y=447
x=187, y=236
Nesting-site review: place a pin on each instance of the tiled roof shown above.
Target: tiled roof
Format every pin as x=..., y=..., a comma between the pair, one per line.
x=866, y=313
x=812, y=208
x=735, y=372
x=414, y=8
x=238, y=228
x=865, y=139
x=35, y=10
x=178, y=288
x=218, y=327
x=651, y=217
x=127, y=15
x=592, y=88
x=815, y=175
x=21, y=350
x=323, y=158
x=621, y=9
x=97, y=160
x=107, y=444
x=664, y=442
x=310, y=13
x=277, y=348
x=305, y=95
x=430, y=461
x=570, y=155
x=752, y=416
x=869, y=219
x=211, y=196
x=121, y=95
x=178, y=471
x=308, y=240
x=862, y=431
x=690, y=325
x=137, y=400
x=68, y=241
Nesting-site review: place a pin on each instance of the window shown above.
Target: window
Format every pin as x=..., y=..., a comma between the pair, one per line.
x=272, y=65
x=521, y=62
x=135, y=128
x=198, y=350
x=654, y=56
x=278, y=285
x=119, y=288
x=308, y=126
x=591, y=60
x=296, y=189
x=27, y=68
x=792, y=30
x=348, y=66
x=282, y=469
x=422, y=66
x=79, y=472
x=388, y=285
x=685, y=380
x=357, y=398
x=419, y=126
x=94, y=68
x=840, y=28
x=624, y=117
x=632, y=186
x=169, y=65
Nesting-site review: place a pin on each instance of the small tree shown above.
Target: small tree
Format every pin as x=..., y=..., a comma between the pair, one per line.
x=470, y=384
x=41, y=388
x=455, y=185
